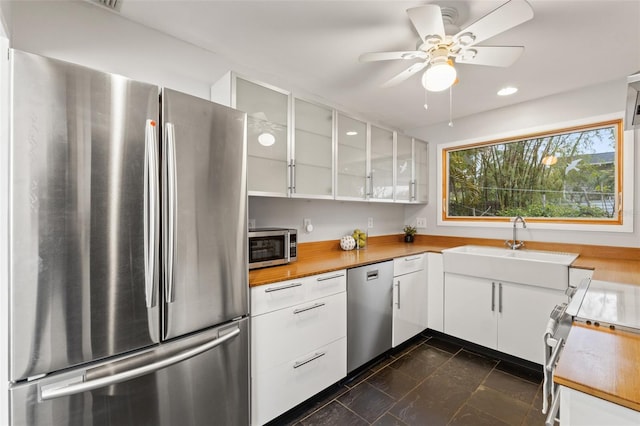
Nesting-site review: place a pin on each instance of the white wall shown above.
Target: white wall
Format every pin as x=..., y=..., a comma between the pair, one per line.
x=602, y=99
x=4, y=233
x=5, y=18
x=89, y=35
x=331, y=219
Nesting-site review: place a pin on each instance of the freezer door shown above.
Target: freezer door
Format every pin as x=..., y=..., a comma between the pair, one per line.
x=204, y=213
x=78, y=209
x=209, y=387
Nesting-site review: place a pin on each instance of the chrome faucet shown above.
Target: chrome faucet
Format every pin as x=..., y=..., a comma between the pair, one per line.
x=515, y=244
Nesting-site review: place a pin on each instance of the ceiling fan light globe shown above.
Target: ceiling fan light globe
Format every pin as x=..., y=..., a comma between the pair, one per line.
x=438, y=77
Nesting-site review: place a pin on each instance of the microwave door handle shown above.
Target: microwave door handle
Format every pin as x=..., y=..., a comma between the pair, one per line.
x=78, y=384
x=150, y=211
x=170, y=212
x=287, y=246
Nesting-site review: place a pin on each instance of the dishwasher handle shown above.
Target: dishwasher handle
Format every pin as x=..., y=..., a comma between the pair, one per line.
x=372, y=275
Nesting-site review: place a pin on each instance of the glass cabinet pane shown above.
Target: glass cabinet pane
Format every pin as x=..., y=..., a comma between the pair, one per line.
x=404, y=167
x=313, y=153
x=381, y=180
x=267, y=116
x=421, y=175
x=352, y=157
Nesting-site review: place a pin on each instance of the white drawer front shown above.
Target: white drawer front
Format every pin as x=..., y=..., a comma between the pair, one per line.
x=271, y=297
x=292, y=332
x=267, y=298
x=326, y=284
x=408, y=264
x=283, y=387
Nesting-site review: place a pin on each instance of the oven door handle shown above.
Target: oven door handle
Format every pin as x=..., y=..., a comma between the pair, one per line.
x=551, y=418
x=554, y=356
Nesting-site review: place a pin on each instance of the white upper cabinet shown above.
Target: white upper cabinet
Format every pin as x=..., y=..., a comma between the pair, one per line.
x=380, y=185
x=404, y=168
x=297, y=148
x=421, y=174
x=351, y=176
x=267, y=137
x=411, y=170
x=312, y=150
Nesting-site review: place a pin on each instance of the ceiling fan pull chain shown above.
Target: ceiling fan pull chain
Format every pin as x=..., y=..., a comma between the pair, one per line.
x=451, y=106
x=426, y=105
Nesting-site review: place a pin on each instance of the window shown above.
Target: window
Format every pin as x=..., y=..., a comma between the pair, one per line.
x=572, y=175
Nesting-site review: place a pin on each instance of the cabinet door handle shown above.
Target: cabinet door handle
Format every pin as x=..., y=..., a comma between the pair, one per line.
x=317, y=305
x=493, y=296
x=307, y=361
x=398, y=286
x=330, y=278
x=284, y=287
x=500, y=297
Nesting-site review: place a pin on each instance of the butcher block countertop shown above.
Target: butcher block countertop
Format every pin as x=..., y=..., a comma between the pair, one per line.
x=610, y=263
x=601, y=363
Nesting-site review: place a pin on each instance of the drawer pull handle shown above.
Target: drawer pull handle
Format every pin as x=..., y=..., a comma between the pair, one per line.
x=314, y=357
x=317, y=305
x=284, y=287
x=409, y=259
x=330, y=278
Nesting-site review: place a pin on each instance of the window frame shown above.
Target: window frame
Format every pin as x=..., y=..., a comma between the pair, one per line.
x=623, y=222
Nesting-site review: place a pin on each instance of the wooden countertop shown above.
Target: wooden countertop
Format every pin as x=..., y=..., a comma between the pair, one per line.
x=610, y=263
x=602, y=363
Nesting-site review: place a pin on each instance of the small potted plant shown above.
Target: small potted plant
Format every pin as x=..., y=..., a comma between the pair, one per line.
x=409, y=232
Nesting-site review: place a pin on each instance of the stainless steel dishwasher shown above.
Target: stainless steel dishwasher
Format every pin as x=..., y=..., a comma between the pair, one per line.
x=369, y=312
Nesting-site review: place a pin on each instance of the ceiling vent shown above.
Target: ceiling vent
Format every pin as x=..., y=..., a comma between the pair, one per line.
x=109, y=4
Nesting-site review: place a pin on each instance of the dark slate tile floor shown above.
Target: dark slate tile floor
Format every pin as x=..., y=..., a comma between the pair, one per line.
x=430, y=381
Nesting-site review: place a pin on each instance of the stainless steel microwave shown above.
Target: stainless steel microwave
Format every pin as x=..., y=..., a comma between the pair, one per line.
x=272, y=246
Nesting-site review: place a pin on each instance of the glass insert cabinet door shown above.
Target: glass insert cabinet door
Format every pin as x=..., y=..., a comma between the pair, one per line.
x=352, y=158
x=421, y=157
x=404, y=168
x=381, y=172
x=267, y=142
x=312, y=150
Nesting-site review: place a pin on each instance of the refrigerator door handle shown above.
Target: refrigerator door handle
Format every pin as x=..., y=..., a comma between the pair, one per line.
x=170, y=212
x=71, y=386
x=150, y=210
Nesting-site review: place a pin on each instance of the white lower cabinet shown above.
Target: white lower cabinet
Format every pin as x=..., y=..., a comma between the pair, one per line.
x=579, y=409
x=410, y=294
x=298, y=342
x=508, y=317
x=435, y=284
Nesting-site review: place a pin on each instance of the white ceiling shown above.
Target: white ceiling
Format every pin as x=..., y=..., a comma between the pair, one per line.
x=316, y=44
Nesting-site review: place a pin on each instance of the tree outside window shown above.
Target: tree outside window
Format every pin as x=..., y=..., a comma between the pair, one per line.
x=569, y=175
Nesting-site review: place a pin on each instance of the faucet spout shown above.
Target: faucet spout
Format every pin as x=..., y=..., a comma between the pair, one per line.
x=515, y=244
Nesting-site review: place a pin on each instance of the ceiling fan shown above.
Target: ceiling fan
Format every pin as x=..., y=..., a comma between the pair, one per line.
x=442, y=42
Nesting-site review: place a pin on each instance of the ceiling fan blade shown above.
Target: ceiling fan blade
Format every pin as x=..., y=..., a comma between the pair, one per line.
x=494, y=56
x=386, y=56
x=509, y=15
x=427, y=20
x=413, y=69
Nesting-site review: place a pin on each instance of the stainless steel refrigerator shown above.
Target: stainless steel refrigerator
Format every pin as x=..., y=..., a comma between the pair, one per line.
x=128, y=277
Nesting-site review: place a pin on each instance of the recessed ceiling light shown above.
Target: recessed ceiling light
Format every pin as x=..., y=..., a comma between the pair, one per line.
x=352, y=133
x=266, y=139
x=506, y=91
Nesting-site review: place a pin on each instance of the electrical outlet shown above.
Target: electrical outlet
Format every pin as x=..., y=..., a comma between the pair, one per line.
x=421, y=222
x=252, y=223
x=370, y=223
